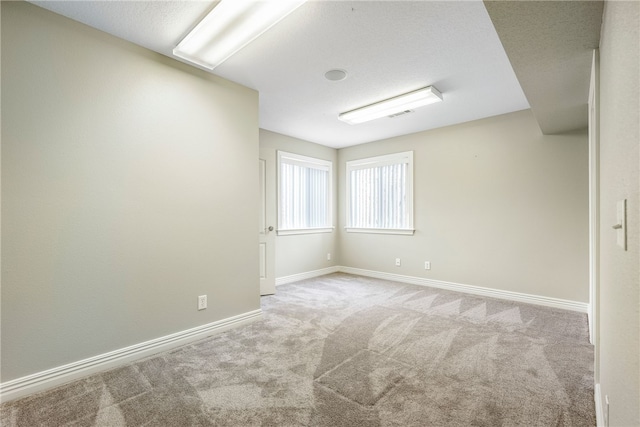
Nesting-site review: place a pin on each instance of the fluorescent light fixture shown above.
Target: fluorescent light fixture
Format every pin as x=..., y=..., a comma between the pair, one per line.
x=229, y=27
x=388, y=107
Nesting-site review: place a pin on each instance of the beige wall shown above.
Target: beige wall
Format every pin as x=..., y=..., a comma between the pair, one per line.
x=619, y=299
x=117, y=208
x=497, y=204
x=305, y=252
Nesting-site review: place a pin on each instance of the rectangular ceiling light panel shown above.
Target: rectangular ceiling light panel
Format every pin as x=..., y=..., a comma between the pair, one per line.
x=229, y=27
x=388, y=107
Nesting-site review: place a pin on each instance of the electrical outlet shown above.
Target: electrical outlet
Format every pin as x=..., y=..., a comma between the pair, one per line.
x=397, y=262
x=329, y=256
x=427, y=265
x=202, y=302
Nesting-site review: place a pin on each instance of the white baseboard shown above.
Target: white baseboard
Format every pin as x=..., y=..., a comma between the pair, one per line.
x=50, y=378
x=307, y=275
x=597, y=397
x=470, y=289
x=44, y=380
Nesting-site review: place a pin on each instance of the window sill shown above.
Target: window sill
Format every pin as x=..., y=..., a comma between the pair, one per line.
x=305, y=231
x=403, y=231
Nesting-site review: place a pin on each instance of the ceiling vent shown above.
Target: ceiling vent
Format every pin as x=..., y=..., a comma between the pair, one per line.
x=401, y=113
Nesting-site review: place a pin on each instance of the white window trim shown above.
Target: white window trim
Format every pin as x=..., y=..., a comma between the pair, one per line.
x=388, y=159
x=402, y=231
x=289, y=232
x=311, y=162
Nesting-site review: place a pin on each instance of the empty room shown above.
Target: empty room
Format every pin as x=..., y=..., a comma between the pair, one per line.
x=320, y=213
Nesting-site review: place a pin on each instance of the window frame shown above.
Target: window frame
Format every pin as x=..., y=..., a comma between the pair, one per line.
x=378, y=161
x=310, y=162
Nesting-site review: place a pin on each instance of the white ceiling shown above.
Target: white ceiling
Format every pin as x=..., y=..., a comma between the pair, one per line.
x=550, y=45
x=386, y=47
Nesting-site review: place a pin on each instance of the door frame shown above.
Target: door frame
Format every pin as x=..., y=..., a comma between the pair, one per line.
x=266, y=232
x=594, y=208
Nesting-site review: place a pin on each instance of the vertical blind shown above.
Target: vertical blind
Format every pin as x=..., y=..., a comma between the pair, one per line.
x=380, y=193
x=303, y=194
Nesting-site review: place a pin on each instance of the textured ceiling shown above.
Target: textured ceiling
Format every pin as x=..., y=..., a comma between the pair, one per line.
x=550, y=46
x=386, y=47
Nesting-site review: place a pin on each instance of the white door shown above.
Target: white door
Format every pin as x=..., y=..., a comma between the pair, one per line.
x=266, y=230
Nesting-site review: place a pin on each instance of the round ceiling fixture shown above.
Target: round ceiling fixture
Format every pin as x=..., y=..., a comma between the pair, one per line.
x=335, y=75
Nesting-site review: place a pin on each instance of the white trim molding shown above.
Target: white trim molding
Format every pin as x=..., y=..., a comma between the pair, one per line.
x=582, y=307
x=594, y=202
x=402, y=231
x=305, y=231
x=50, y=378
x=307, y=275
x=597, y=396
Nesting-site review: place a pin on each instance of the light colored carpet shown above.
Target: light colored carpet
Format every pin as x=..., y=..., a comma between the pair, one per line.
x=343, y=350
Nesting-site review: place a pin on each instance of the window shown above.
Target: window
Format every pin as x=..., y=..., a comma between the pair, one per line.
x=380, y=194
x=304, y=194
